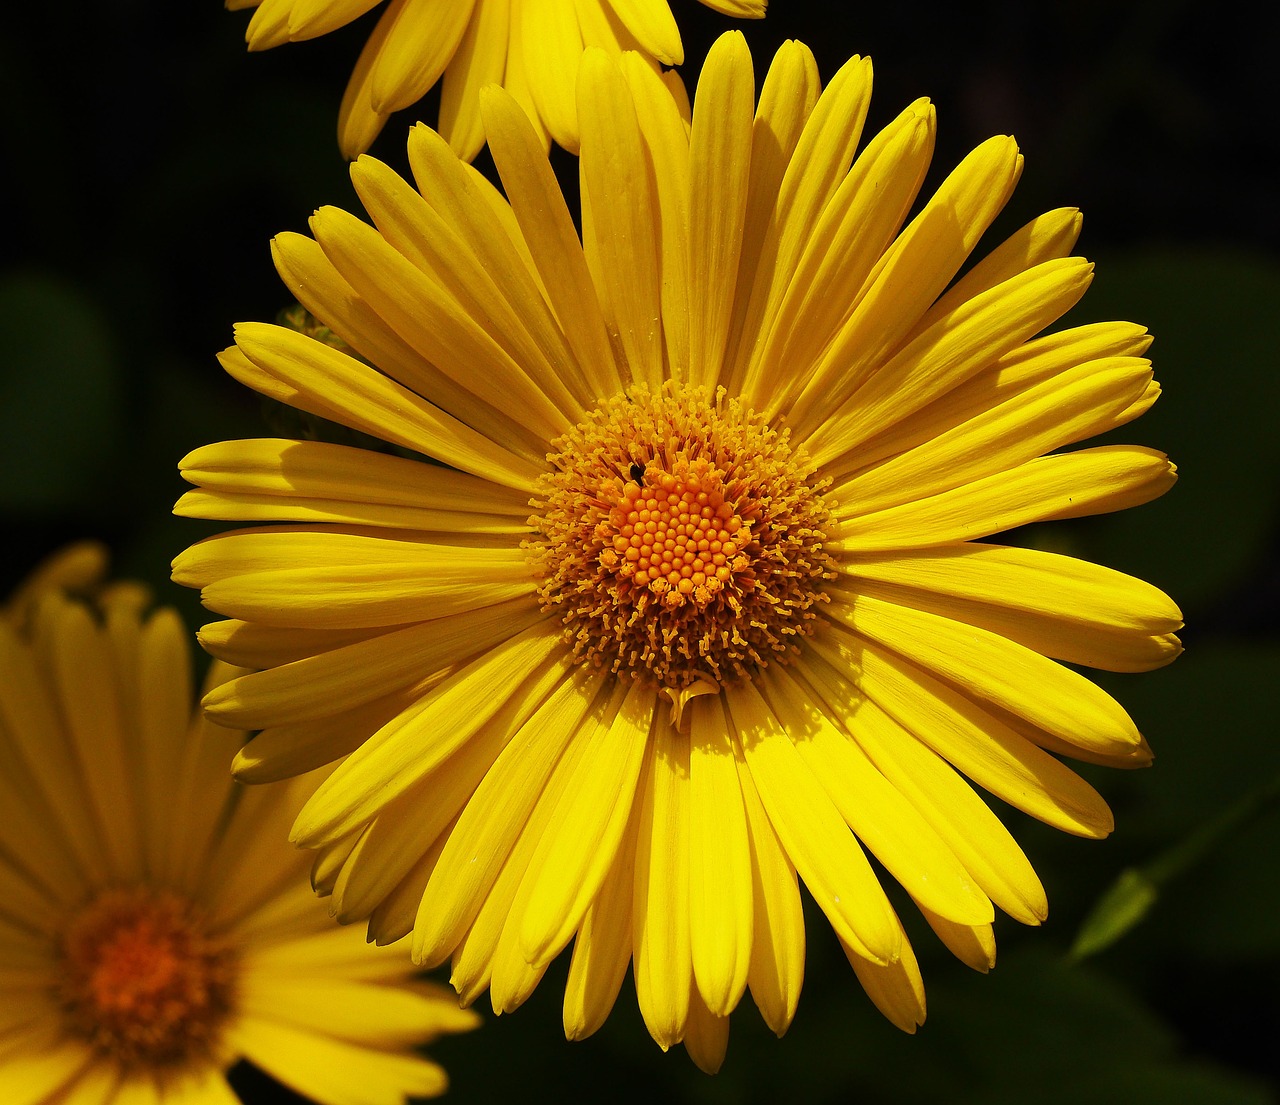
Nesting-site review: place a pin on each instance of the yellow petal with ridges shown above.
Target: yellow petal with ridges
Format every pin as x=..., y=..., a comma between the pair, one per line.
x=407, y=748
x=811, y=830
x=976, y=742
x=480, y=60
x=895, y=988
x=619, y=234
x=776, y=972
x=548, y=229
x=719, y=177
x=890, y=827
x=663, y=964
x=992, y=669
x=721, y=907
x=351, y=675
x=1084, y=400
x=955, y=346
x=1062, y=485
x=1049, y=602
x=487, y=830
x=420, y=42
x=564, y=876
x=602, y=948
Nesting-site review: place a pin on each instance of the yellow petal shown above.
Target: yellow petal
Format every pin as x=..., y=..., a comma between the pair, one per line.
x=1063, y=485
x=420, y=42
x=548, y=228
x=777, y=948
x=1059, y=606
x=346, y=677
x=881, y=818
x=565, y=873
x=719, y=171
x=486, y=832
x=421, y=738
x=953, y=347
x=720, y=883
x=480, y=60
x=618, y=204
x=815, y=837
x=663, y=966
x=977, y=743
x=991, y=669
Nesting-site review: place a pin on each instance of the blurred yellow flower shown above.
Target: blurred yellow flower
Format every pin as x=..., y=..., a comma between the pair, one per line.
x=530, y=47
x=691, y=603
x=154, y=928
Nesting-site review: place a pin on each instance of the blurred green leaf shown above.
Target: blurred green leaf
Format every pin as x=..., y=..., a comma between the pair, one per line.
x=1116, y=912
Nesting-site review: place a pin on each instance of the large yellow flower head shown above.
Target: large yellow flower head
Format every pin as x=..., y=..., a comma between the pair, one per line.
x=530, y=47
x=154, y=928
x=686, y=601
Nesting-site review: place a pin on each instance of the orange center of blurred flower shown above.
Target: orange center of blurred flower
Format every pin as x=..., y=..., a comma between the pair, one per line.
x=680, y=539
x=142, y=982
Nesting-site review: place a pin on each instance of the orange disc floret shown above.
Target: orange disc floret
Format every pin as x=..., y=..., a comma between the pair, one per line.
x=142, y=981
x=680, y=538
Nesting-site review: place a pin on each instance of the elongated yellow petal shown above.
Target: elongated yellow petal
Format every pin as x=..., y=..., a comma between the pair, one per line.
x=487, y=830
x=666, y=141
x=871, y=806
x=824, y=851
x=1078, y=403
x=848, y=240
x=322, y=1067
x=944, y=800
x=719, y=171
x=991, y=669
x=548, y=229
x=480, y=60
x=895, y=988
x=720, y=885
x=1063, y=485
x=789, y=93
x=602, y=948
x=663, y=964
x=420, y=42
x=978, y=744
x=953, y=347
x=1066, y=608
x=549, y=38
x=346, y=677
x=777, y=947
x=619, y=234
x=565, y=877
x=409, y=746
x=822, y=155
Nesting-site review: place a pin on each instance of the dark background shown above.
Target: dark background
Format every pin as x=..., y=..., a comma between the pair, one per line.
x=149, y=159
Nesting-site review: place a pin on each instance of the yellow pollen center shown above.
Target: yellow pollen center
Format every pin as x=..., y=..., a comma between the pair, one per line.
x=142, y=982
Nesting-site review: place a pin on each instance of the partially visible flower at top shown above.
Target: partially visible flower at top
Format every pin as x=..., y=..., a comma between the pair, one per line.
x=691, y=600
x=530, y=47
x=154, y=928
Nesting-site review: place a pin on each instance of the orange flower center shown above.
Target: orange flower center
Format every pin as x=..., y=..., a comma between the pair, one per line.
x=680, y=538
x=142, y=982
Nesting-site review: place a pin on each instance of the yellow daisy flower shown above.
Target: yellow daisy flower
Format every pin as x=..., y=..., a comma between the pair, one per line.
x=530, y=47
x=687, y=602
x=154, y=928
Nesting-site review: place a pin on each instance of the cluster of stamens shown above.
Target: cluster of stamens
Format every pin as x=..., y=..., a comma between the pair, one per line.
x=680, y=539
x=675, y=537
x=142, y=982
